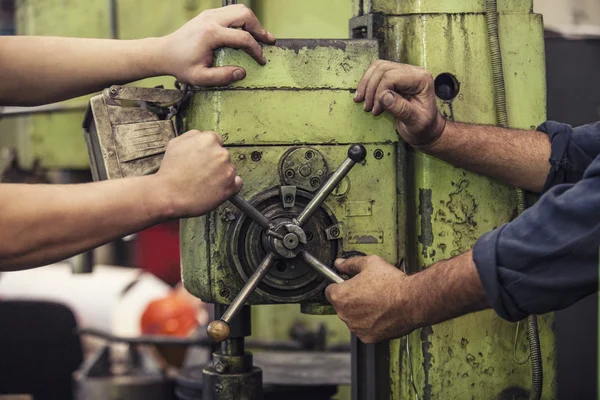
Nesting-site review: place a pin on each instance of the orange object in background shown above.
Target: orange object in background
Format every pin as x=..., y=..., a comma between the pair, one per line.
x=174, y=315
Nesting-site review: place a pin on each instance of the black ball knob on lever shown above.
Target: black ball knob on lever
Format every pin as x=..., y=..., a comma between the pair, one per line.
x=357, y=153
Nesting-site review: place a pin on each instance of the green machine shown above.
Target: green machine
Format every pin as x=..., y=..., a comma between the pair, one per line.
x=325, y=179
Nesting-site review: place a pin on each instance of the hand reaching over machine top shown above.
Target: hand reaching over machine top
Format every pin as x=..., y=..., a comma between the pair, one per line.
x=408, y=93
x=196, y=174
x=187, y=53
x=370, y=303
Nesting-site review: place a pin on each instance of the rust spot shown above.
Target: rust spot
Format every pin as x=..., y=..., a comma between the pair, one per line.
x=425, y=211
x=426, y=333
x=463, y=343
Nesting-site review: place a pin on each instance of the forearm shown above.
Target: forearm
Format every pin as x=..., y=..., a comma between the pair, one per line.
x=515, y=157
x=41, y=224
x=37, y=70
x=444, y=291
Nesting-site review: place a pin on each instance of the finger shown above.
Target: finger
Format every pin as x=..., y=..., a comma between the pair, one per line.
x=216, y=136
x=217, y=76
x=239, y=183
x=374, y=82
x=359, y=96
x=352, y=265
x=240, y=16
x=237, y=39
x=332, y=293
x=397, y=105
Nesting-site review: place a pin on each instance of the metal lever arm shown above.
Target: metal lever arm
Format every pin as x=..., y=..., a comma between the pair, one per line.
x=219, y=330
x=320, y=267
x=254, y=215
x=356, y=154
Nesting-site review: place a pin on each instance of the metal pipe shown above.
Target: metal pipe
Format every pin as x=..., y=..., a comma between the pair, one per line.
x=233, y=347
x=325, y=191
x=320, y=267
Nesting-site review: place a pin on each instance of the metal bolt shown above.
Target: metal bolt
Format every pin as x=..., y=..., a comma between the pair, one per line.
x=334, y=232
x=224, y=292
x=220, y=367
x=114, y=91
x=227, y=215
x=288, y=198
x=309, y=154
x=242, y=157
x=290, y=173
x=378, y=154
x=255, y=156
x=218, y=388
x=315, y=182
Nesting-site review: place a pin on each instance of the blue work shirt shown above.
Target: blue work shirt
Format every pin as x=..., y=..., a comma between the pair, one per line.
x=547, y=258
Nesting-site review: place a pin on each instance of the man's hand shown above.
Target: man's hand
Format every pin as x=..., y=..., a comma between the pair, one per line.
x=196, y=174
x=371, y=302
x=408, y=93
x=188, y=52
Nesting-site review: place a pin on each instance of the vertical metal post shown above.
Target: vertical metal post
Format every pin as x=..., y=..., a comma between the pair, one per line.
x=370, y=370
x=114, y=20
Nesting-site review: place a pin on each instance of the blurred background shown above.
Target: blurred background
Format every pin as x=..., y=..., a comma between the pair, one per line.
x=134, y=288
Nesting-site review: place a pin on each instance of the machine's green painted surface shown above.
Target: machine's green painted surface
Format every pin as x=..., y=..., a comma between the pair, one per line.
x=316, y=19
x=404, y=7
x=297, y=64
x=471, y=357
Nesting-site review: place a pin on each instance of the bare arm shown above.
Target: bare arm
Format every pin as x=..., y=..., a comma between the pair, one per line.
x=381, y=302
x=511, y=156
x=515, y=157
x=41, y=224
x=38, y=70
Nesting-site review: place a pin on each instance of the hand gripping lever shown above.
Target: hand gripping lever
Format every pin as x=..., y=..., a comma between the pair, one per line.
x=288, y=244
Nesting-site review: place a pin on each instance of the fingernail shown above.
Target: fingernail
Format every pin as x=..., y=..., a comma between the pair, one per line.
x=271, y=36
x=239, y=74
x=338, y=262
x=388, y=99
x=356, y=95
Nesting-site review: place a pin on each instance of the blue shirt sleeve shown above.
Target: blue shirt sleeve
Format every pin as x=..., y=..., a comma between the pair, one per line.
x=573, y=150
x=547, y=258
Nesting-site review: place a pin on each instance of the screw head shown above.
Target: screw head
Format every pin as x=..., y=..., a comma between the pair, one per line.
x=309, y=236
x=218, y=388
x=315, y=182
x=114, y=91
x=309, y=155
x=220, y=367
x=378, y=154
x=242, y=157
x=224, y=292
x=290, y=173
x=290, y=241
x=255, y=156
x=334, y=232
x=288, y=198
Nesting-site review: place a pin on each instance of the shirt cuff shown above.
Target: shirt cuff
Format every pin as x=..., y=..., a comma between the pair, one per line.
x=485, y=256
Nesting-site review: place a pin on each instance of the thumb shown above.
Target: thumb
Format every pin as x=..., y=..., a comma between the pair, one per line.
x=352, y=265
x=397, y=105
x=218, y=76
